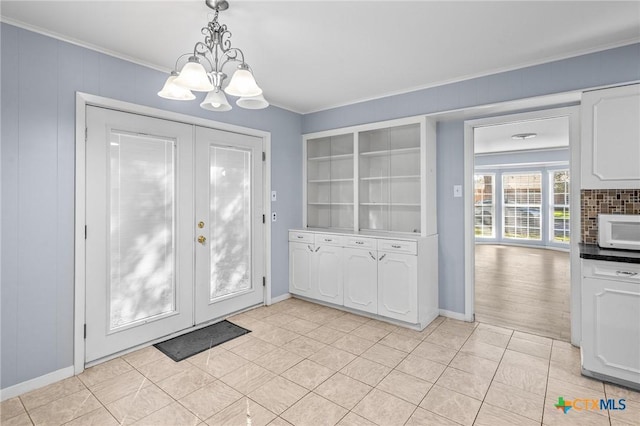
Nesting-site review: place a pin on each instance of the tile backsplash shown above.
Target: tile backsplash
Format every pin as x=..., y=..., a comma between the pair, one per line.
x=606, y=201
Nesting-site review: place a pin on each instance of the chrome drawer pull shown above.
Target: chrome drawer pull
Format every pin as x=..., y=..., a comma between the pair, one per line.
x=328, y=240
x=317, y=249
x=395, y=246
x=310, y=249
x=626, y=273
x=383, y=256
x=299, y=236
x=359, y=242
x=372, y=256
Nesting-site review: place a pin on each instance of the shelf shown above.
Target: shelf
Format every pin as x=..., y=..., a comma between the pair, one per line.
x=391, y=204
x=331, y=157
x=390, y=152
x=390, y=177
x=329, y=180
x=330, y=204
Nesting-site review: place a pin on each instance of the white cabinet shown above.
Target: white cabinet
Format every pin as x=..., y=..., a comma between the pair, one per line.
x=361, y=279
x=611, y=138
x=392, y=278
x=611, y=321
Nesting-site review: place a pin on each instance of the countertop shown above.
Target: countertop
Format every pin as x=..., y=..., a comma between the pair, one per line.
x=594, y=252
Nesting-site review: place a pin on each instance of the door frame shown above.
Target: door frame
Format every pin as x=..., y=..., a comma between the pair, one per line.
x=573, y=114
x=82, y=101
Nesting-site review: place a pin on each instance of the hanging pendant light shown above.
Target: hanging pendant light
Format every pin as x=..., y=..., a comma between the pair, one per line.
x=193, y=76
x=216, y=101
x=254, y=102
x=242, y=83
x=172, y=91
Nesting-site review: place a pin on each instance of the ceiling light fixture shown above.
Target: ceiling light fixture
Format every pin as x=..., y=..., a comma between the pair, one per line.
x=203, y=70
x=523, y=136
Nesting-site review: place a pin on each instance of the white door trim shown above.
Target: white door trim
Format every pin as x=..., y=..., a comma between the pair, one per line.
x=573, y=113
x=84, y=99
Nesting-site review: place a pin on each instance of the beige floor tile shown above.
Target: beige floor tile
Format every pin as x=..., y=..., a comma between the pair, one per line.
x=138, y=405
x=383, y=325
x=400, y=342
x=22, y=419
x=554, y=416
x=521, y=360
x=452, y=405
x=101, y=372
x=384, y=409
x=243, y=412
x=308, y=374
x=314, y=410
x=217, y=363
x=370, y=332
x=173, y=414
x=280, y=318
x=352, y=419
x=516, y=400
x=495, y=329
x=211, y=399
x=303, y=346
x=11, y=408
x=461, y=328
x=568, y=356
x=278, y=336
x=421, y=368
x=483, y=350
x=414, y=334
x=278, y=361
x=435, y=353
x=235, y=342
x=521, y=378
x=366, y=371
x=332, y=358
x=533, y=338
x=253, y=349
x=422, y=417
x=278, y=394
x=573, y=375
x=492, y=338
x=184, y=383
x=51, y=392
x=343, y=390
x=260, y=312
x=384, y=355
x=143, y=356
x=344, y=323
x=475, y=365
x=279, y=421
x=326, y=335
x=99, y=417
x=494, y=416
x=162, y=368
x=448, y=340
x=614, y=391
x=65, y=409
x=354, y=344
x=300, y=326
x=322, y=316
x=630, y=415
x=120, y=386
x=405, y=386
x=247, y=378
x=530, y=348
x=464, y=383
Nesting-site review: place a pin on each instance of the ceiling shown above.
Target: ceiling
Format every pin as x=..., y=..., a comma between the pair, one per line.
x=313, y=55
x=550, y=133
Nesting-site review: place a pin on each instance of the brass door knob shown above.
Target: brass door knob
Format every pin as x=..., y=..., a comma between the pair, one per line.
x=200, y=224
x=202, y=239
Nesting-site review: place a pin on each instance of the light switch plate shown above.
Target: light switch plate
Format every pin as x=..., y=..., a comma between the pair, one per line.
x=457, y=190
x=273, y=195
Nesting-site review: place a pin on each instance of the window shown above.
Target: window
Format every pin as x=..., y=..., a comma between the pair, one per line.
x=522, y=204
x=484, y=205
x=559, y=206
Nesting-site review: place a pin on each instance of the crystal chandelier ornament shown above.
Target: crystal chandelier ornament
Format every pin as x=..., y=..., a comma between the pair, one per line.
x=203, y=70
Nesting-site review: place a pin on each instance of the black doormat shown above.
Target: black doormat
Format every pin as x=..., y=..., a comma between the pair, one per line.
x=197, y=341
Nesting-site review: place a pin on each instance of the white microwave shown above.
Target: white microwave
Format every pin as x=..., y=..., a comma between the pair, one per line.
x=619, y=231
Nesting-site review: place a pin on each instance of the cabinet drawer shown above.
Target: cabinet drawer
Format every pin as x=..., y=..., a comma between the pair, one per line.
x=611, y=270
x=329, y=239
x=301, y=237
x=361, y=242
x=398, y=246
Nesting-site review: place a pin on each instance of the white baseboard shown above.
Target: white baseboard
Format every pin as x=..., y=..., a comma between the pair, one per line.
x=454, y=315
x=280, y=298
x=36, y=383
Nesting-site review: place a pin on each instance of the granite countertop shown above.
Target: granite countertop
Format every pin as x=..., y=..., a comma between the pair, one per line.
x=594, y=252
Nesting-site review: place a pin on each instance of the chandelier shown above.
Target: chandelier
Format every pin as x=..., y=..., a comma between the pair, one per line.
x=203, y=70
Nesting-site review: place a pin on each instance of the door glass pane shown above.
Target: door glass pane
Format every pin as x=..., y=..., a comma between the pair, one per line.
x=142, y=228
x=560, y=206
x=522, y=203
x=484, y=207
x=230, y=220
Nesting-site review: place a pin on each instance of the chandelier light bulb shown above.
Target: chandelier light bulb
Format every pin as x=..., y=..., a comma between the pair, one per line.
x=216, y=101
x=193, y=76
x=243, y=84
x=172, y=91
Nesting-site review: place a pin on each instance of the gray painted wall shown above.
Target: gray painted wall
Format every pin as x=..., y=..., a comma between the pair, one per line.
x=40, y=76
x=612, y=66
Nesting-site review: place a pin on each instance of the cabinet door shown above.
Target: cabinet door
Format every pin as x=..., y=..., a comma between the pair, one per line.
x=398, y=286
x=328, y=276
x=300, y=265
x=611, y=328
x=610, y=135
x=361, y=280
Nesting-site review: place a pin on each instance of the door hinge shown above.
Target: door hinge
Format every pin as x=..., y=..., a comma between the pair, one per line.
x=264, y=156
x=264, y=281
x=264, y=219
x=85, y=331
x=85, y=232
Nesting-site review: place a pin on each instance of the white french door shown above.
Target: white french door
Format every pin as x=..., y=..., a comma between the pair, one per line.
x=174, y=234
x=229, y=228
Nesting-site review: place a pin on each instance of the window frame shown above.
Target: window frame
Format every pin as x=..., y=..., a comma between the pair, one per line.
x=540, y=173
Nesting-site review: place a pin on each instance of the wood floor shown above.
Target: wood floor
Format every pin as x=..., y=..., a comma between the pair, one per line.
x=526, y=289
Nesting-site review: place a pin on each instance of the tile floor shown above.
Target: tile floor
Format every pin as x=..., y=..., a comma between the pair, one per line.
x=305, y=364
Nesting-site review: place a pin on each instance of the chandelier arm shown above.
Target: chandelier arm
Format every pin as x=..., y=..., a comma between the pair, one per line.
x=231, y=55
x=175, y=68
